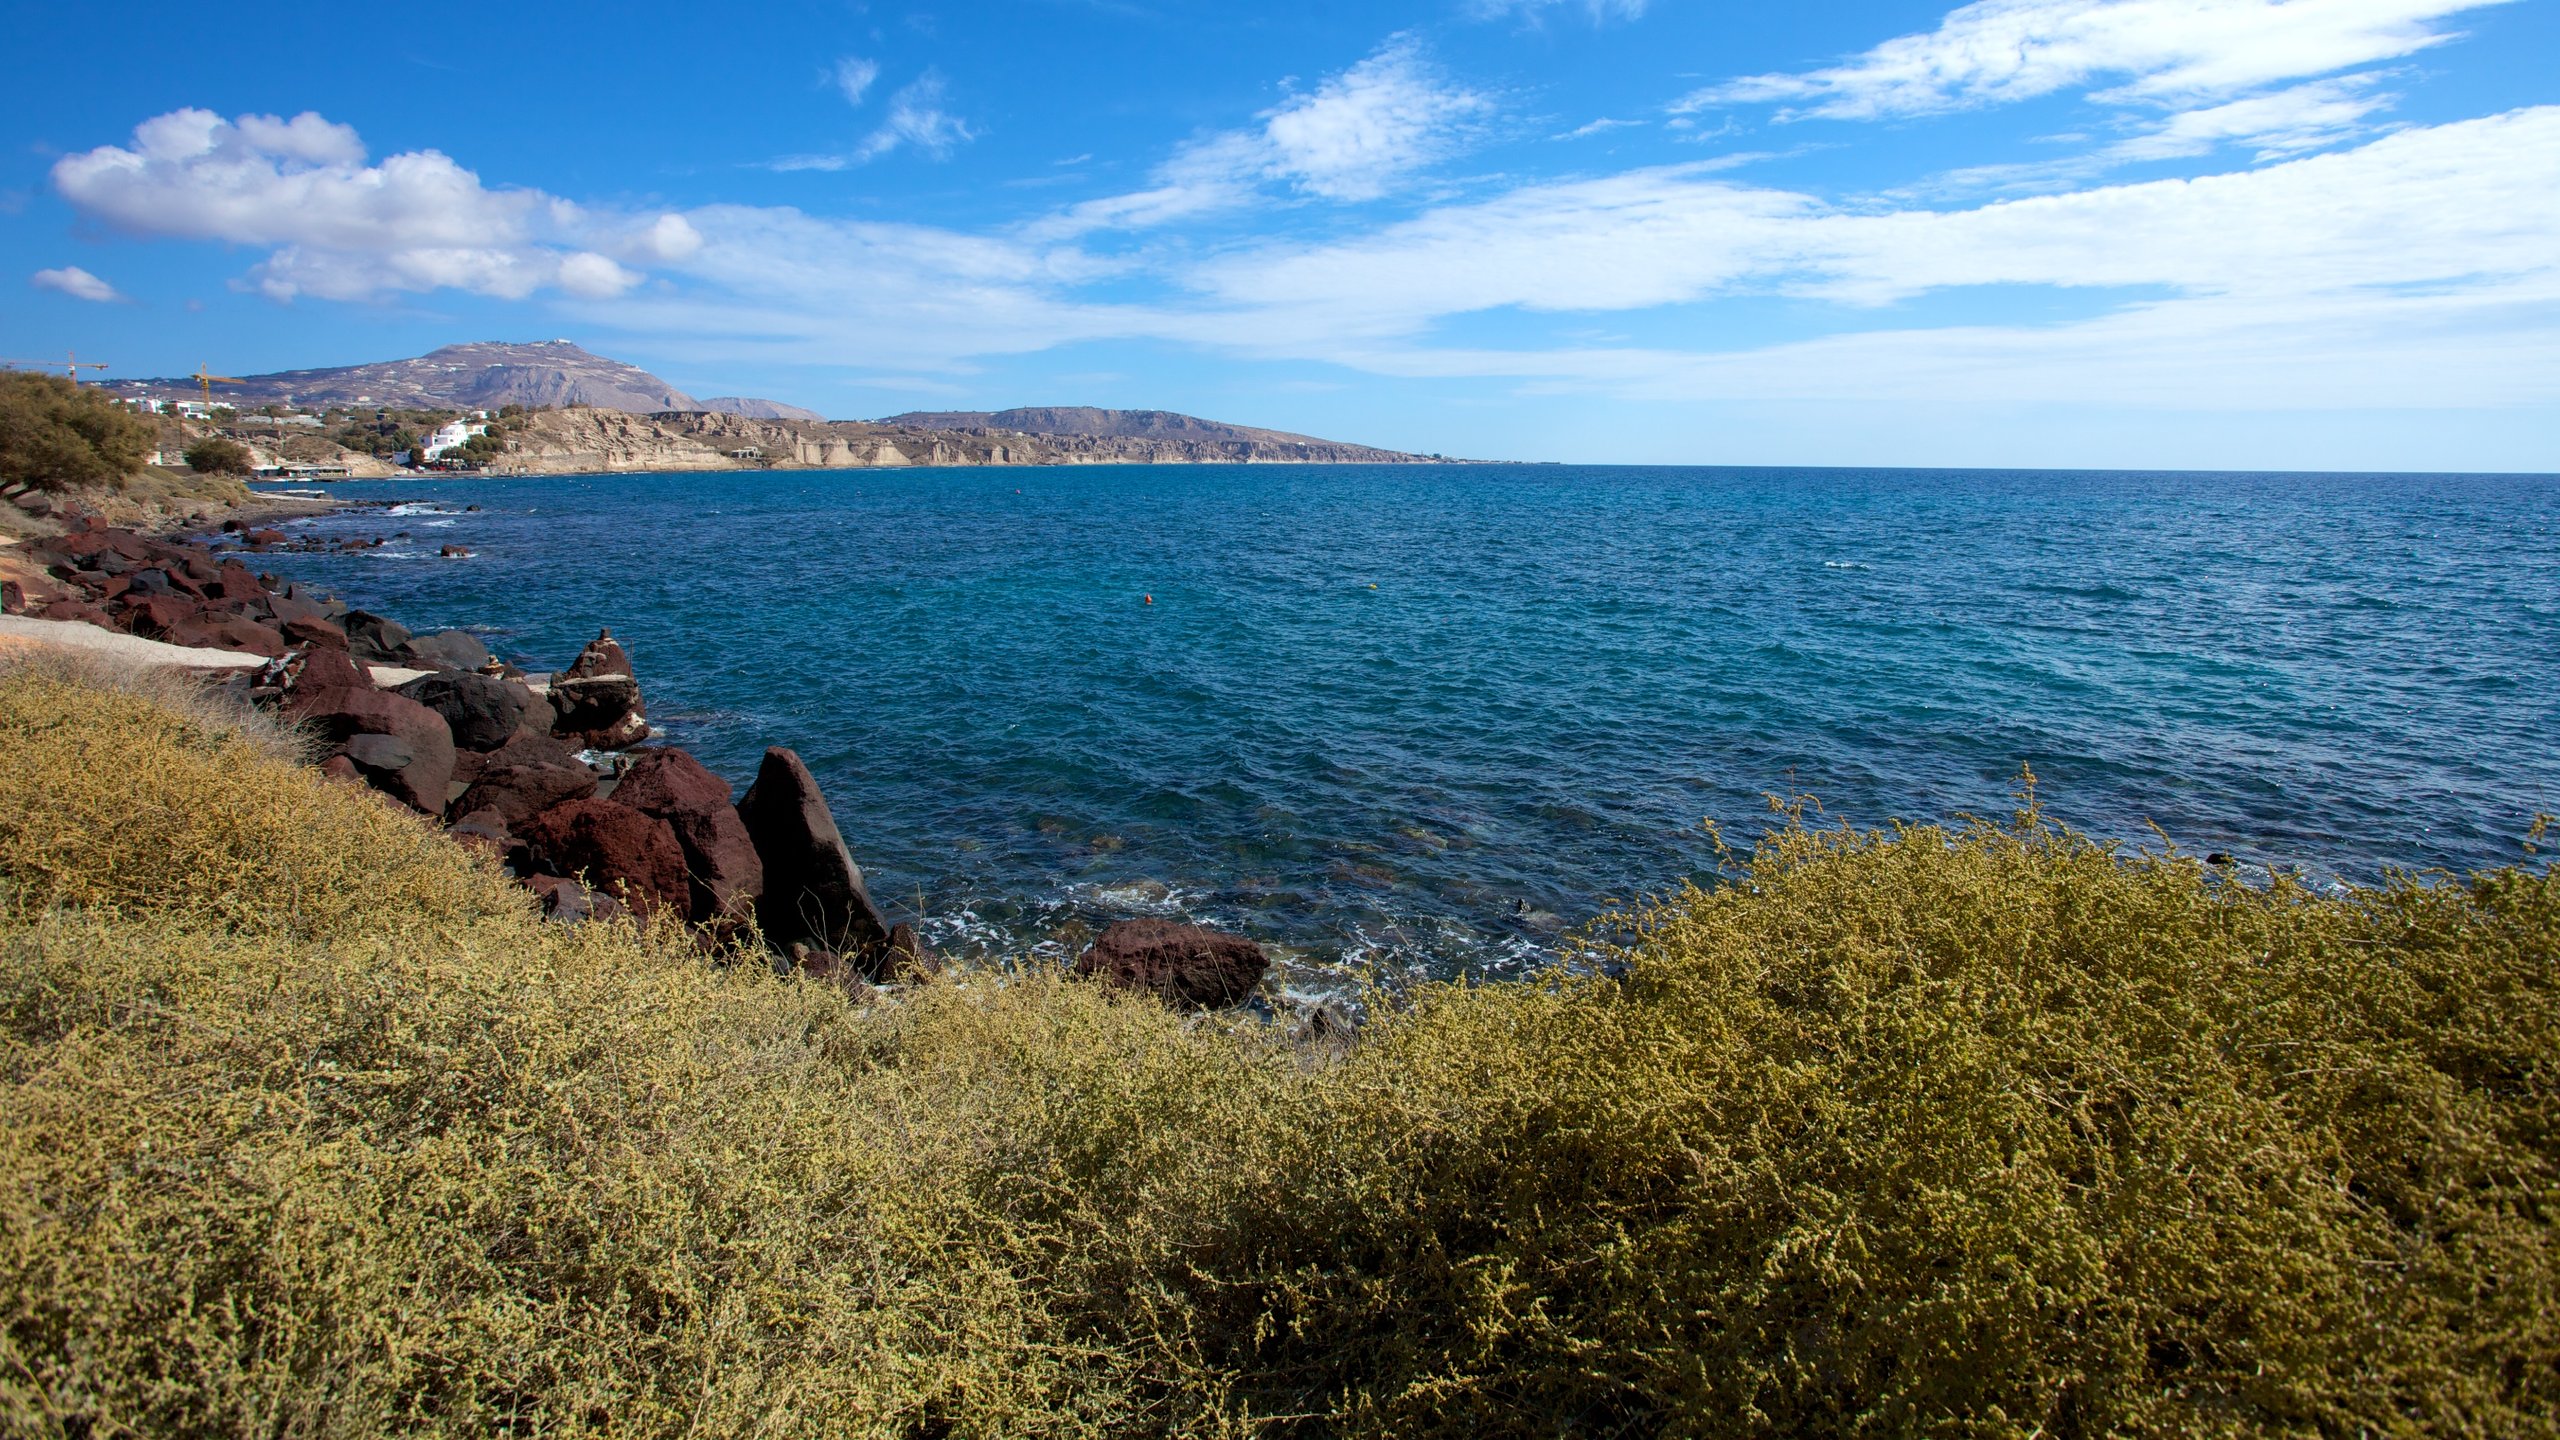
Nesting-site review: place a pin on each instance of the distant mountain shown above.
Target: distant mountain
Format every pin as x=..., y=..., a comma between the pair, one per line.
x=755, y=409
x=1086, y=420
x=483, y=375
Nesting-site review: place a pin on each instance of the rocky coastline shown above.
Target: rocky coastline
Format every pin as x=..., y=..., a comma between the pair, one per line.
x=552, y=776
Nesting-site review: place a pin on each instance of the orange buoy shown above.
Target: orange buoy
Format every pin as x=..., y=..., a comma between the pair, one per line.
x=1151, y=599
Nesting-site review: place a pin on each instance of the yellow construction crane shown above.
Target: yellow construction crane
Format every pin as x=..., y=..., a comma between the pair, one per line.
x=205, y=382
x=71, y=364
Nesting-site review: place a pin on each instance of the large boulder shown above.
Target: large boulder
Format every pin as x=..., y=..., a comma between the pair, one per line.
x=415, y=768
x=1187, y=965
x=614, y=848
x=813, y=892
x=671, y=785
x=227, y=632
x=518, y=787
x=153, y=616
x=373, y=638
x=446, y=650
x=483, y=710
x=597, y=700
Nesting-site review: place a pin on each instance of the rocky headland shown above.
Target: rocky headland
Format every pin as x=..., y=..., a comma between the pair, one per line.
x=552, y=776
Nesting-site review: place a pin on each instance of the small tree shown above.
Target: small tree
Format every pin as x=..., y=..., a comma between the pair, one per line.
x=54, y=434
x=214, y=455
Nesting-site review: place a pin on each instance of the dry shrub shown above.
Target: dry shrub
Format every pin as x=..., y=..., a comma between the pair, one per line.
x=310, y=1127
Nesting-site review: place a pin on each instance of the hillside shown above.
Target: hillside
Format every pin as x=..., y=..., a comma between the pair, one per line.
x=587, y=439
x=1086, y=420
x=755, y=409
x=482, y=375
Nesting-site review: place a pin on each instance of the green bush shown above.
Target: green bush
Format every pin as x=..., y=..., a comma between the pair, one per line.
x=310, y=1126
x=214, y=455
x=56, y=435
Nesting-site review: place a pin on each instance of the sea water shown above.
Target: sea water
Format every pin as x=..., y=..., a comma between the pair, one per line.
x=1425, y=719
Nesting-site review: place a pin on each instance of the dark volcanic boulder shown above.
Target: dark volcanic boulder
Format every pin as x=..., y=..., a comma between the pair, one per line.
x=374, y=638
x=153, y=616
x=483, y=710
x=232, y=632
x=673, y=786
x=291, y=607
x=415, y=768
x=614, y=848
x=597, y=700
x=517, y=788
x=318, y=633
x=446, y=650
x=813, y=891
x=323, y=668
x=1184, y=964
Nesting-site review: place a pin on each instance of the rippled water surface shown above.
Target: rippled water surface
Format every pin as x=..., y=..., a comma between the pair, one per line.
x=1424, y=716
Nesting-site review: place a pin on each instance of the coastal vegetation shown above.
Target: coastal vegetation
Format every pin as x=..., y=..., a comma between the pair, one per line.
x=57, y=436
x=310, y=1126
x=214, y=455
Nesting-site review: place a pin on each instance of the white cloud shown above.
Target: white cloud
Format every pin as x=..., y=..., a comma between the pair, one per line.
x=2435, y=204
x=341, y=228
x=916, y=118
x=2285, y=122
x=1369, y=126
x=1534, y=11
x=77, y=283
x=1351, y=139
x=853, y=76
x=1601, y=126
x=2176, y=52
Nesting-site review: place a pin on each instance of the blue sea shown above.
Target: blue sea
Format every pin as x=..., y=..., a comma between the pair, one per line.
x=1422, y=720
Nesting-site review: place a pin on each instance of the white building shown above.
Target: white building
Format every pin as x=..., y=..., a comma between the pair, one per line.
x=449, y=438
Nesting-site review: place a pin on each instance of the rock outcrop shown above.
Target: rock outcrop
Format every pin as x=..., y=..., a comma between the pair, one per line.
x=1185, y=965
x=597, y=700
x=726, y=872
x=614, y=849
x=813, y=892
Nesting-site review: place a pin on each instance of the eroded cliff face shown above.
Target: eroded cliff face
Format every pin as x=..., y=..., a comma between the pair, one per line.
x=581, y=440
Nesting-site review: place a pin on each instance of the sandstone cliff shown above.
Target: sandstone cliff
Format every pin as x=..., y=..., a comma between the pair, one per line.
x=582, y=440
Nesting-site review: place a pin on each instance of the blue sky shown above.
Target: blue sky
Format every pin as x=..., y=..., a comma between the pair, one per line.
x=2297, y=234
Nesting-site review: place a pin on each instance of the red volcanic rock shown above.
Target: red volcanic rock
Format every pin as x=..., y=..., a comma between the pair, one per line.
x=323, y=668
x=597, y=700
x=517, y=789
x=80, y=610
x=812, y=889
x=603, y=656
x=319, y=634
x=615, y=848
x=728, y=876
x=415, y=768
x=1189, y=965
x=264, y=537
x=153, y=616
x=230, y=632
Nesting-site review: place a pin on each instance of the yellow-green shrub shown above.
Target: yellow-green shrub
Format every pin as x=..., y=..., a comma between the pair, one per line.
x=308, y=1126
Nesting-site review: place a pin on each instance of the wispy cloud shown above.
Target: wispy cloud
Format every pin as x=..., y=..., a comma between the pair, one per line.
x=2344, y=279
x=77, y=283
x=1597, y=127
x=917, y=118
x=2172, y=52
x=853, y=76
x=1534, y=11
x=1352, y=138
